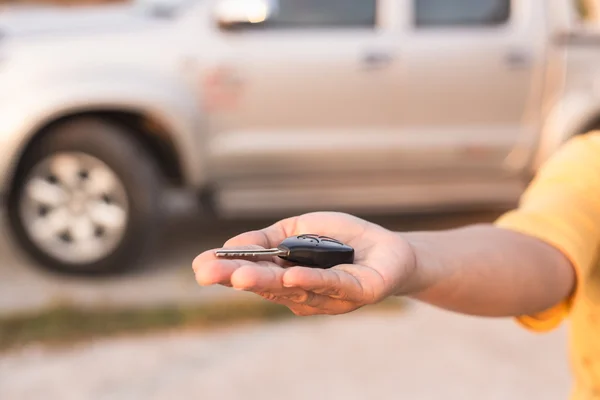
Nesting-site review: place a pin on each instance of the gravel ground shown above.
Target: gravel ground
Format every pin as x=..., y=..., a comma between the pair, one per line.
x=422, y=354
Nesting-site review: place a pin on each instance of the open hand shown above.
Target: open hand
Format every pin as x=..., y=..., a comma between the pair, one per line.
x=383, y=264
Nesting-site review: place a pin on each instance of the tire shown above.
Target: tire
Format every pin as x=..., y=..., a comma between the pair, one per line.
x=133, y=185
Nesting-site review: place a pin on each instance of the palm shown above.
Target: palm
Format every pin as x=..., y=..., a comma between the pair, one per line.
x=382, y=261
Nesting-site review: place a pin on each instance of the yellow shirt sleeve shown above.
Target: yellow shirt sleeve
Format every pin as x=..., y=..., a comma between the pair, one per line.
x=562, y=207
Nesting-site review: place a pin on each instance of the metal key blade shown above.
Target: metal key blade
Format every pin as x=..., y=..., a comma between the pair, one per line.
x=250, y=252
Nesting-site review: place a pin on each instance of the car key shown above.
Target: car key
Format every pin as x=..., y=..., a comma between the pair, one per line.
x=308, y=250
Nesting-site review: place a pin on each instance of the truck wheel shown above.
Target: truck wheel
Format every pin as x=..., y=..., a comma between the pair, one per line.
x=86, y=199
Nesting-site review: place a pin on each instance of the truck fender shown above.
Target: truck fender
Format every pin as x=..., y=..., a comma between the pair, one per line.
x=574, y=115
x=173, y=106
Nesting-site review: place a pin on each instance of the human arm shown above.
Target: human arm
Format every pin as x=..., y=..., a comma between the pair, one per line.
x=479, y=269
x=488, y=271
x=525, y=265
x=549, y=242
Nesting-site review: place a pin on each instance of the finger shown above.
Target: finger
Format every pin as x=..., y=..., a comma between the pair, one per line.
x=210, y=269
x=267, y=281
x=303, y=303
x=203, y=258
x=213, y=272
x=296, y=308
x=293, y=296
x=333, y=282
x=258, y=277
x=268, y=237
x=305, y=298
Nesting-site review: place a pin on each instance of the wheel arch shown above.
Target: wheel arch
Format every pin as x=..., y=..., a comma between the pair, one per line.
x=148, y=130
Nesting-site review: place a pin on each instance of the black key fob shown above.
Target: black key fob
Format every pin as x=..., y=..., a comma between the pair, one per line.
x=316, y=251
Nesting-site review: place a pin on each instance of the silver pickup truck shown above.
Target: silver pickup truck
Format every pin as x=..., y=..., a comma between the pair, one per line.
x=269, y=107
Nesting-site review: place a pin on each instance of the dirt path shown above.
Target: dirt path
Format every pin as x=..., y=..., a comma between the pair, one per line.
x=423, y=354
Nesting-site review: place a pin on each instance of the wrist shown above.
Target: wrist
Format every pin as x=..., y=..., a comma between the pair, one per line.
x=424, y=269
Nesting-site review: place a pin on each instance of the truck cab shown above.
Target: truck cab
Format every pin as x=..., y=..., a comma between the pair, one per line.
x=378, y=104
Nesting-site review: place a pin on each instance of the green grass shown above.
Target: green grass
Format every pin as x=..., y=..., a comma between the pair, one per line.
x=64, y=325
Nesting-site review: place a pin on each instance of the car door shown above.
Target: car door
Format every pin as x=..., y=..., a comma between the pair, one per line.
x=311, y=92
x=473, y=73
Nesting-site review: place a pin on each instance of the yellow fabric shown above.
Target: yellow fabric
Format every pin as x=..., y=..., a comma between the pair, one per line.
x=562, y=207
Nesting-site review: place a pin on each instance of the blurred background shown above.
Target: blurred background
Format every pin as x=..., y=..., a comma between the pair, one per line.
x=135, y=135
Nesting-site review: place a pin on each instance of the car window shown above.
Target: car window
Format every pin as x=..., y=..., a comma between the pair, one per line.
x=323, y=14
x=457, y=13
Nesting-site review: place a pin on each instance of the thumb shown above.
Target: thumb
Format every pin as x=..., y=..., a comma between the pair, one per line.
x=268, y=237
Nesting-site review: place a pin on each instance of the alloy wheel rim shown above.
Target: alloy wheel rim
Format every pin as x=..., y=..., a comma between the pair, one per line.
x=74, y=208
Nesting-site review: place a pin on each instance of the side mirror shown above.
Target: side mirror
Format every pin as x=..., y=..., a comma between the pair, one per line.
x=232, y=13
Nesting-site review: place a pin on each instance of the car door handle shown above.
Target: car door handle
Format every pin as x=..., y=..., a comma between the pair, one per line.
x=517, y=59
x=376, y=59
